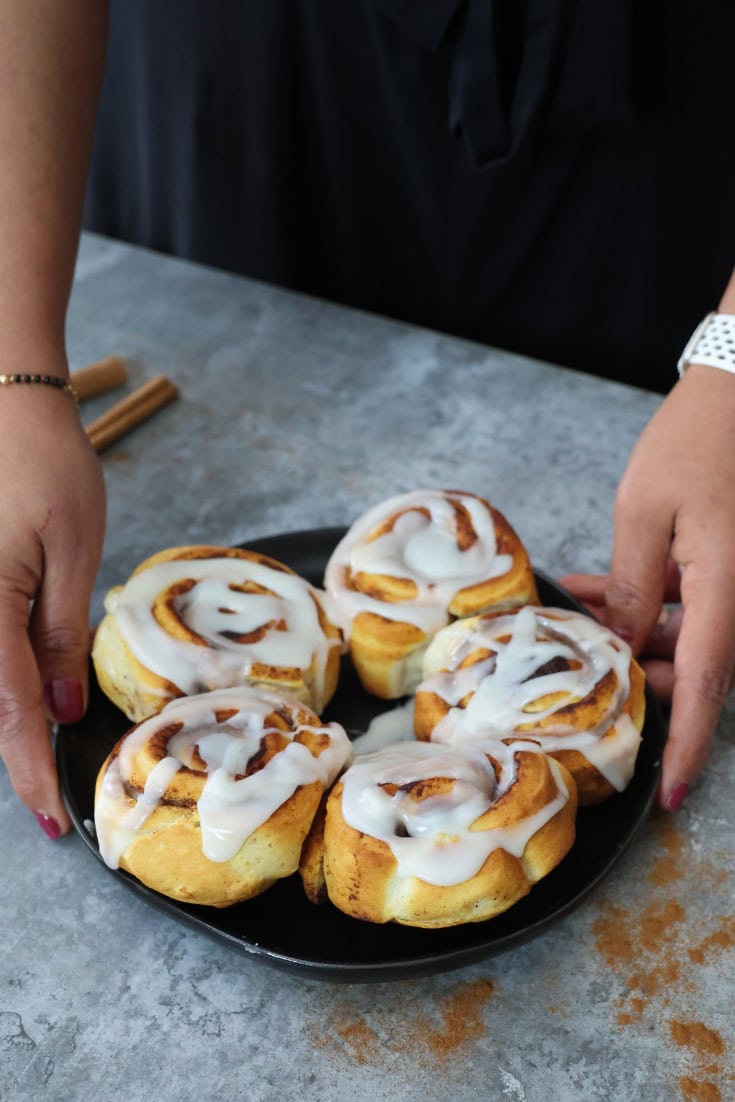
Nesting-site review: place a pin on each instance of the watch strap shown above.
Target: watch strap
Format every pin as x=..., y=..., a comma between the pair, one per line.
x=712, y=343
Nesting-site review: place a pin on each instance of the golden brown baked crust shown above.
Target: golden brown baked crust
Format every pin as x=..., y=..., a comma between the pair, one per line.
x=612, y=699
x=311, y=861
x=140, y=691
x=166, y=850
x=386, y=642
x=362, y=876
x=386, y=654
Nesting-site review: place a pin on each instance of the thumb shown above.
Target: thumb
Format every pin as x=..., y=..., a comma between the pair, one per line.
x=635, y=587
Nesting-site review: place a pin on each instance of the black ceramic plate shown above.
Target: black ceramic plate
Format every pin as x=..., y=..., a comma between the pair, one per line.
x=283, y=929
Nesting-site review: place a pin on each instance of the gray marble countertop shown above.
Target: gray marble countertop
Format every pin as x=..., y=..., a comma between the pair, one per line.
x=294, y=414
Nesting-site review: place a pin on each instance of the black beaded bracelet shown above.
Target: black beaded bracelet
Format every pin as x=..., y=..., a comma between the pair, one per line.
x=45, y=380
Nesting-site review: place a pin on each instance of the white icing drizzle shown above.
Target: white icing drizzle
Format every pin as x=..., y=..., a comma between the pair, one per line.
x=433, y=839
x=222, y=662
x=231, y=807
x=420, y=549
x=500, y=690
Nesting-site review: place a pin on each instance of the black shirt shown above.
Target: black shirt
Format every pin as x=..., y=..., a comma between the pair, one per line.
x=551, y=176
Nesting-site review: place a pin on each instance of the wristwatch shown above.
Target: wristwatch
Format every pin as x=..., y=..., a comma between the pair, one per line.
x=712, y=343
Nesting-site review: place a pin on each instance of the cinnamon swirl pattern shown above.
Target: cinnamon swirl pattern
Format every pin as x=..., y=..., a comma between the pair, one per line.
x=555, y=676
x=431, y=836
x=198, y=618
x=410, y=566
x=210, y=801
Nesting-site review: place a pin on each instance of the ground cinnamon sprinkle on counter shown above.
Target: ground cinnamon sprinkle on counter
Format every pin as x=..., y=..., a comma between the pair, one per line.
x=637, y=1006
x=723, y=938
x=613, y=934
x=697, y=1036
x=650, y=944
x=699, y=1092
x=642, y=941
x=462, y=1014
x=667, y=867
x=362, y=1041
x=409, y=1027
x=656, y=924
x=711, y=1069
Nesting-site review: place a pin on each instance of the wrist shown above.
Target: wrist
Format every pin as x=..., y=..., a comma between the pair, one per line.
x=31, y=408
x=705, y=401
x=42, y=355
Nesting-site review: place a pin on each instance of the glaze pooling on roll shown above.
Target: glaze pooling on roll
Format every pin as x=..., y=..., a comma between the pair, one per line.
x=433, y=838
x=534, y=655
x=216, y=734
x=227, y=630
x=422, y=549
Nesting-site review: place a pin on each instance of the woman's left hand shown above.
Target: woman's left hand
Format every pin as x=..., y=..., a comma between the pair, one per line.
x=675, y=542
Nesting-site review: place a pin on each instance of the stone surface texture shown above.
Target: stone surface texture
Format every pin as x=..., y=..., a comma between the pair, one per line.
x=295, y=413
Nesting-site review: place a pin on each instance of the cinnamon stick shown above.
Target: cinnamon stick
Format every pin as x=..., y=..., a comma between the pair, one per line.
x=98, y=377
x=130, y=411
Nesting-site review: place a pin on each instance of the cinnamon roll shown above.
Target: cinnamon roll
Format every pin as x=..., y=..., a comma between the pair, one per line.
x=555, y=676
x=210, y=801
x=431, y=836
x=413, y=564
x=196, y=618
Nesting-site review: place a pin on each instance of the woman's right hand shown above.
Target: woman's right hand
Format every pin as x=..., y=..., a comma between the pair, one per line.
x=52, y=509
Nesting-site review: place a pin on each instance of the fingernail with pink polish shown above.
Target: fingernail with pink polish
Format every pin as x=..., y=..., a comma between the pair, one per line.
x=48, y=825
x=622, y=633
x=65, y=700
x=677, y=796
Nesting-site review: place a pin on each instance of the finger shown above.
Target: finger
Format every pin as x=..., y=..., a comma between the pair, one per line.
x=635, y=586
x=61, y=650
x=25, y=745
x=598, y=611
x=588, y=588
x=661, y=643
x=584, y=589
x=59, y=632
x=660, y=677
x=672, y=585
x=703, y=675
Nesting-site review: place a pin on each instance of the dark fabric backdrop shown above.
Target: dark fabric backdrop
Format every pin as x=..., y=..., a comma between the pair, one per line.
x=551, y=176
